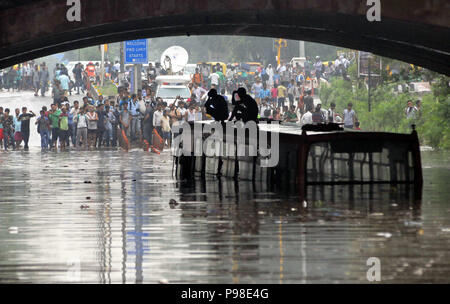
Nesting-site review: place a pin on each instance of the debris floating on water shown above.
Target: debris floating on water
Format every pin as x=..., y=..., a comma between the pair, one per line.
x=418, y=271
x=385, y=234
x=413, y=224
x=13, y=230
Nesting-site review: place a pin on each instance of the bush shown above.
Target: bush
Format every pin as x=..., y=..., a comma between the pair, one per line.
x=387, y=111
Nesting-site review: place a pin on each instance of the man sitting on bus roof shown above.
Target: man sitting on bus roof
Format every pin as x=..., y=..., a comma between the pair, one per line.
x=216, y=106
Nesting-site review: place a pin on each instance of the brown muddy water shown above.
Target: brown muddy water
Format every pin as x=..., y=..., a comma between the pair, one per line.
x=105, y=217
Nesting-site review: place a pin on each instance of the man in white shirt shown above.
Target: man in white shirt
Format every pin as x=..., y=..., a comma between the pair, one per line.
x=256, y=89
x=182, y=109
x=191, y=114
x=27, y=75
x=349, y=117
x=157, y=118
x=263, y=109
x=199, y=92
x=307, y=117
x=281, y=68
x=331, y=113
x=230, y=73
x=214, y=77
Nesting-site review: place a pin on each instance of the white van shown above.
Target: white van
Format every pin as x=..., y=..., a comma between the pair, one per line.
x=171, y=86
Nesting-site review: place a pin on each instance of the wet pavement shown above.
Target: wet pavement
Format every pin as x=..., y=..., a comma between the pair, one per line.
x=106, y=217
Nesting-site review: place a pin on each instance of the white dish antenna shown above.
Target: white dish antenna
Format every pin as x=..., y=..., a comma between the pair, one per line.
x=178, y=58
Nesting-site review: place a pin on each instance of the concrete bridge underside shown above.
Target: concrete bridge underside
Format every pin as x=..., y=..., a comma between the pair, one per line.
x=413, y=31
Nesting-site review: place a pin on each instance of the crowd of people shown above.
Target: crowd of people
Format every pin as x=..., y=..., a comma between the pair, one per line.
x=37, y=77
x=96, y=123
x=294, y=75
x=284, y=93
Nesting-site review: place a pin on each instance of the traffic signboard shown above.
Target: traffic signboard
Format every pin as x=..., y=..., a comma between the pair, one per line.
x=364, y=58
x=136, y=51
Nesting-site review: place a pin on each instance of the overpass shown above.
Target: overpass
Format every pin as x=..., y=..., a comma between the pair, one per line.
x=415, y=31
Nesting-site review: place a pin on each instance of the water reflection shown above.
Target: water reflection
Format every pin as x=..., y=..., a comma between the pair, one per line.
x=220, y=231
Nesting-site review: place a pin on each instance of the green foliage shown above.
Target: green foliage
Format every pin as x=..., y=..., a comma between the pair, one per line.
x=434, y=124
x=387, y=112
x=108, y=89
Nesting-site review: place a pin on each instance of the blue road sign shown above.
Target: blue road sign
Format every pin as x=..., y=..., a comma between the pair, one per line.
x=136, y=51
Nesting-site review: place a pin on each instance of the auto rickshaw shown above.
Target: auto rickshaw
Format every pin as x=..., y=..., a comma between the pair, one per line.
x=212, y=64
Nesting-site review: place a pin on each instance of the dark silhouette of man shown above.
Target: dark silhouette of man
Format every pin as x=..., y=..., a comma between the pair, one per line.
x=235, y=101
x=216, y=106
x=246, y=108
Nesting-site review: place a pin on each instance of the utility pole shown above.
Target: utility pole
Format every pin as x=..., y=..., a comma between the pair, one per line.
x=302, y=48
x=122, y=64
x=102, y=68
x=370, y=79
x=136, y=82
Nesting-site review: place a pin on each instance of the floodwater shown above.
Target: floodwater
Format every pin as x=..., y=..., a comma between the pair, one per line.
x=105, y=217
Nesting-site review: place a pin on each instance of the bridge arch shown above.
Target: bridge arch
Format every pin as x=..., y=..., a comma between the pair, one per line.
x=414, y=31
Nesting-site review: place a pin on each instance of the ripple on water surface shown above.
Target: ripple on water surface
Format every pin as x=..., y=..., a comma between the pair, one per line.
x=104, y=216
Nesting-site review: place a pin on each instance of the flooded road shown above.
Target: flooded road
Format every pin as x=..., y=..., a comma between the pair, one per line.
x=105, y=217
